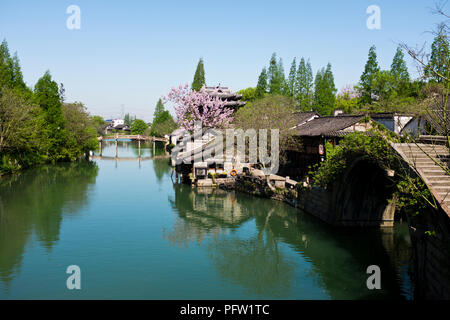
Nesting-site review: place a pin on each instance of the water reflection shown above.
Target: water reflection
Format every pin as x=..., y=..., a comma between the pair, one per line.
x=26, y=213
x=256, y=263
x=202, y=212
x=279, y=241
x=215, y=244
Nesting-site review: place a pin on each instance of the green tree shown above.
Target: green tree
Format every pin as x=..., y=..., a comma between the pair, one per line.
x=35, y=127
x=163, y=128
x=438, y=69
x=282, y=78
x=261, y=87
x=162, y=124
x=346, y=104
x=371, y=70
x=81, y=133
x=98, y=123
x=17, y=73
x=158, y=109
x=199, y=77
x=19, y=125
x=6, y=69
x=385, y=88
x=248, y=94
x=270, y=112
x=46, y=95
x=292, y=78
x=324, y=91
x=399, y=71
x=128, y=120
x=11, y=73
x=275, y=75
x=138, y=126
x=304, y=85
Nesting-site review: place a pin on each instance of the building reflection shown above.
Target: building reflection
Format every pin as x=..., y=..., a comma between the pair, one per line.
x=202, y=212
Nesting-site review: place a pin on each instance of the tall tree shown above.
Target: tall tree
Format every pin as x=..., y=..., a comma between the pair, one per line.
x=163, y=124
x=398, y=67
x=371, y=69
x=324, y=91
x=127, y=119
x=399, y=72
x=261, y=87
x=11, y=73
x=46, y=95
x=274, y=75
x=6, y=73
x=291, y=79
x=438, y=68
x=282, y=77
x=304, y=85
x=17, y=73
x=158, y=109
x=199, y=77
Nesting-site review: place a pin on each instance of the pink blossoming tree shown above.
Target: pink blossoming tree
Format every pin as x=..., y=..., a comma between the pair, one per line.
x=349, y=92
x=198, y=106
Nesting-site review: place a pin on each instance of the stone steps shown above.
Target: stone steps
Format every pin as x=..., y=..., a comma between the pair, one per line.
x=432, y=173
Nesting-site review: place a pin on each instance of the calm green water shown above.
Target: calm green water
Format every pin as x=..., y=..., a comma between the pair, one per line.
x=136, y=235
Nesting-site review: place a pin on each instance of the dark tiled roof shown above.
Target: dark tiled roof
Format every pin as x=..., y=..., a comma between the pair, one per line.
x=301, y=117
x=327, y=126
x=122, y=126
x=389, y=115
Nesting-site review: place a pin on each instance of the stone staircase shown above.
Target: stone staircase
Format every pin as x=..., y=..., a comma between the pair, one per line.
x=423, y=158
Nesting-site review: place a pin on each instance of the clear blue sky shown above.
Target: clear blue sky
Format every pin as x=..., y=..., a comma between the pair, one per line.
x=131, y=52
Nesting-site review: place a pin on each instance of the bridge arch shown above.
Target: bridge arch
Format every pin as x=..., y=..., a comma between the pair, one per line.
x=364, y=195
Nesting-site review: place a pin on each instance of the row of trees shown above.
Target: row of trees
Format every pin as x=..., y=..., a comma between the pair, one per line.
x=377, y=91
x=308, y=92
x=36, y=125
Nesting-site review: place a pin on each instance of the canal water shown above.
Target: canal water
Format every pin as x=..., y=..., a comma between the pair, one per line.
x=137, y=235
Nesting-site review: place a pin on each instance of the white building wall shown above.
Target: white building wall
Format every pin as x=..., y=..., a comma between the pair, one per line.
x=116, y=122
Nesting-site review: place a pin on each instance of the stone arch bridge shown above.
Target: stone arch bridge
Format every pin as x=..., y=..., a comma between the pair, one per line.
x=364, y=196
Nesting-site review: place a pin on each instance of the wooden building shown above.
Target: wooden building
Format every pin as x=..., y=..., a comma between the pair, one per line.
x=224, y=93
x=313, y=134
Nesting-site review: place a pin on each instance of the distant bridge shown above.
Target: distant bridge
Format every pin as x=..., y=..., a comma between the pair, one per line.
x=133, y=137
x=129, y=158
x=137, y=138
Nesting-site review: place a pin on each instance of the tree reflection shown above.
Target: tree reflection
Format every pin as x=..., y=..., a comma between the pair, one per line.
x=265, y=257
x=33, y=202
x=161, y=167
x=256, y=263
